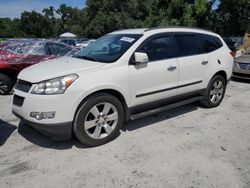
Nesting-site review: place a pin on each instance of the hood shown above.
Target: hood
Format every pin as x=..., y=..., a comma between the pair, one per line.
x=57, y=68
x=243, y=59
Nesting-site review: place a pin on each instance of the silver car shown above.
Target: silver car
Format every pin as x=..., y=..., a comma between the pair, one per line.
x=241, y=68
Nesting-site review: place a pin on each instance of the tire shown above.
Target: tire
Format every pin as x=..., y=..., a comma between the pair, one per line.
x=215, y=92
x=98, y=120
x=6, y=84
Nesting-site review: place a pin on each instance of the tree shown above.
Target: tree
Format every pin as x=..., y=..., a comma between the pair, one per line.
x=10, y=28
x=232, y=18
x=36, y=25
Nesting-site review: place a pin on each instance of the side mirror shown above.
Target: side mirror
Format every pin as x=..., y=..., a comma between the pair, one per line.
x=140, y=58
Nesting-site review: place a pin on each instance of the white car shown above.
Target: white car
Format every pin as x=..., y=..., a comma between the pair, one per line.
x=123, y=76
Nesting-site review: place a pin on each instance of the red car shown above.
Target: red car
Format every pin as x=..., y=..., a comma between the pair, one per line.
x=17, y=56
x=2, y=45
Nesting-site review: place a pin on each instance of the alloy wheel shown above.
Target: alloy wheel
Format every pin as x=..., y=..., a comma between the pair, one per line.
x=101, y=120
x=216, y=93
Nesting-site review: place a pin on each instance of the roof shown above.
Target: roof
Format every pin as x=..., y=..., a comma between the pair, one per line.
x=130, y=31
x=67, y=35
x=169, y=28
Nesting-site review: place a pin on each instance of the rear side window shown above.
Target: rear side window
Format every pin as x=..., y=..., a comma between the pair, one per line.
x=187, y=44
x=210, y=43
x=158, y=48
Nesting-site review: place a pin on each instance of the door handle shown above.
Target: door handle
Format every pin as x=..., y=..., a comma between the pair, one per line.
x=204, y=62
x=172, y=68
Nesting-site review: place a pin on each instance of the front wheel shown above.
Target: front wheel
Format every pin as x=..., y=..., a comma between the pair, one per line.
x=98, y=120
x=6, y=84
x=215, y=92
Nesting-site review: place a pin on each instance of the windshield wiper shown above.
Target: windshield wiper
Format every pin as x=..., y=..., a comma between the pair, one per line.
x=86, y=57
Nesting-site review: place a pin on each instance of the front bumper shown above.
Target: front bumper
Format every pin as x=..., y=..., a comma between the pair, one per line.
x=64, y=106
x=239, y=72
x=59, y=131
x=241, y=75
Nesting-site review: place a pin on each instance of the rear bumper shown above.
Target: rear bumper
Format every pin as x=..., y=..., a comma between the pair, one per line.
x=59, y=131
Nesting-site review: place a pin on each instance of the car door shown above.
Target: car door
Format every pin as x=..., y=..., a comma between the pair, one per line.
x=158, y=78
x=192, y=63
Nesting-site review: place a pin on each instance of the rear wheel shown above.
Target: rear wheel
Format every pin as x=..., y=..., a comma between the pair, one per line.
x=215, y=92
x=98, y=120
x=6, y=84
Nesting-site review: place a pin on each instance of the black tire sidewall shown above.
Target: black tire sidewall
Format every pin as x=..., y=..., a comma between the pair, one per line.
x=210, y=85
x=8, y=81
x=78, y=126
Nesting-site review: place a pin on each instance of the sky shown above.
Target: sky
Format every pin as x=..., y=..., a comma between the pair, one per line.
x=14, y=8
x=216, y=4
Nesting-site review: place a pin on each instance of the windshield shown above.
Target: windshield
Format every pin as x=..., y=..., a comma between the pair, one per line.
x=109, y=48
x=27, y=48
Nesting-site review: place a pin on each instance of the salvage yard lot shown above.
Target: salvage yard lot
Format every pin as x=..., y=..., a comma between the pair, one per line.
x=190, y=146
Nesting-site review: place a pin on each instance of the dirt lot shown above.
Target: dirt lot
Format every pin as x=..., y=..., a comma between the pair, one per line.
x=186, y=147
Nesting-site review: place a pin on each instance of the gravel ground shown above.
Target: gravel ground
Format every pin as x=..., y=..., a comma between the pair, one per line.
x=186, y=147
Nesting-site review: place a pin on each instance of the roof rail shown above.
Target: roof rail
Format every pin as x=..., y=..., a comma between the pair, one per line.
x=177, y=27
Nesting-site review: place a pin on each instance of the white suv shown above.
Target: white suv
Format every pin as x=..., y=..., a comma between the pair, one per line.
x=124, y=75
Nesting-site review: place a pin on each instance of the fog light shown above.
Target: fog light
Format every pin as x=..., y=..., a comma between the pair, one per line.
x=42, y=115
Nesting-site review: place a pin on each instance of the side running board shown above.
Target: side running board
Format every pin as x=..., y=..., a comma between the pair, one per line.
x=164, y=108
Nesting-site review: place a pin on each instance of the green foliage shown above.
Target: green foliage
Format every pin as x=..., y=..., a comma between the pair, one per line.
x=10, y=28
x=233, y=17
x=102, y=16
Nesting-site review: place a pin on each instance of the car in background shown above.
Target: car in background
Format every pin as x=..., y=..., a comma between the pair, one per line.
x=2, y=45
x=241, y=67
x=19, y=55
x=238, y=41
x=80, y=40
x=68, y=41
x=85, y=43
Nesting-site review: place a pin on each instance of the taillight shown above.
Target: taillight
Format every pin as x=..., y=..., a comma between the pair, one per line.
x=233, y=54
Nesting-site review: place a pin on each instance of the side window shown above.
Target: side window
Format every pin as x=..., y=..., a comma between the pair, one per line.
x=187, y=44
x=58, y=49
x=210, y=43
x=158, y=49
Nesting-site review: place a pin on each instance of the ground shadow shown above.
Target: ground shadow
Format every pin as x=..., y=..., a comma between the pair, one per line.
x=149, y=120
x=36, y=138
x=241, y=80
x=6, y=129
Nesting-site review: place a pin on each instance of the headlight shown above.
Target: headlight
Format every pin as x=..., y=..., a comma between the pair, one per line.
x=54, y=86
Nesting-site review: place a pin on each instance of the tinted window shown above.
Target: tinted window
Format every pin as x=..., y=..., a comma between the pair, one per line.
x=158, y=49
x=210, y=43
x=187, y=44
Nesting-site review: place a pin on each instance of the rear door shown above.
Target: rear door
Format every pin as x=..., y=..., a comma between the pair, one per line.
x=191, y=61
x=158, y=78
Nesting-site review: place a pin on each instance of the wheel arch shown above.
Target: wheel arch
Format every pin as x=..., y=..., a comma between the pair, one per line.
x=112, y=92
x=221, y=73
x=10, y=73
